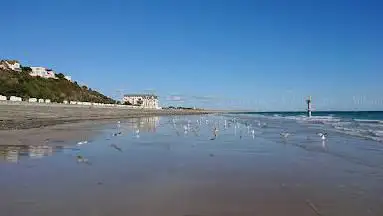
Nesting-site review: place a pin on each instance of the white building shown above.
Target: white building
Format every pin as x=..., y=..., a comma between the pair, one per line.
x=10, y=65
x=14, y=98
x=141, y=100
x=32, y=100
x=42, y=72
x=69, y=78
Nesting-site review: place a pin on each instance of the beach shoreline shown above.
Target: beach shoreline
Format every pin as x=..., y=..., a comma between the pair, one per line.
x=16, y=116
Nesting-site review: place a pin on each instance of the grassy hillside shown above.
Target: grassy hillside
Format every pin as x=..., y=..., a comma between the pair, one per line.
x=21, y=84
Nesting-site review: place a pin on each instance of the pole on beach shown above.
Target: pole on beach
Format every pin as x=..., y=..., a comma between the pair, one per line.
x=308, y=101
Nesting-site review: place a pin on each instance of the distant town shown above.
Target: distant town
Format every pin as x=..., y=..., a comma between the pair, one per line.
x=14, y=65
x=145, y=101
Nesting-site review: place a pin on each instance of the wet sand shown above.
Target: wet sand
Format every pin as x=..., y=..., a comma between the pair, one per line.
x=22, y=115
x=53, y=134
x=166, y=171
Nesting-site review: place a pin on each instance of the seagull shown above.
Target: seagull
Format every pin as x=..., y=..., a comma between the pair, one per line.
x=253, y=133
x=285, y=134
x=81, y=159
x=82, y=142
x=322, y=135
x=215, y=131
x=118, y=133
x=137, y=132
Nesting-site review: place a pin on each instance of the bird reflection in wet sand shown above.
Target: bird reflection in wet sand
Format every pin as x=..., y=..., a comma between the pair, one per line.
x=324, y=145
x=81, y=159
x=284, y=135
x=195, y=131
x=215, y=134
x=116, y=147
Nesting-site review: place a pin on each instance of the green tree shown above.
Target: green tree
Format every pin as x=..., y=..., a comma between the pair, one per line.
x=60, y=76
x=26, y=69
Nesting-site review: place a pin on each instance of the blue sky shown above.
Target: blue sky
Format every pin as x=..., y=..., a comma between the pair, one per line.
x=259, y=55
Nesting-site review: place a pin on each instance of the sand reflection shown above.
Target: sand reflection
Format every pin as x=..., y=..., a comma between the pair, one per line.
x=16, y=153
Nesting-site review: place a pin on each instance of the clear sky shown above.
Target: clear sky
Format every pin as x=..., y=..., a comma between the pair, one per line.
x=260, y=55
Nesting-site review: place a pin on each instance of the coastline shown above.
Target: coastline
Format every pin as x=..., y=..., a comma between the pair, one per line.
x=16, y=116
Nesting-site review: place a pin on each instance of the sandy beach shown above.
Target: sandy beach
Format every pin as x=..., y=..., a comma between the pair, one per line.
x=34, y=115
x=172, y=166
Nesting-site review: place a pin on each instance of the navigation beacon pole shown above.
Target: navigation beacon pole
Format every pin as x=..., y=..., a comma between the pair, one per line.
x=308, y=101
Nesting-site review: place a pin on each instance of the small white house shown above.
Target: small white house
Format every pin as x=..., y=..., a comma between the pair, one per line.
x=42, y=72
x=65, y=102
x=41, y=100
x=10, y=65
x=32, y=100
x=14, y=98
x=38, y=71
x=47, y=100
x=3, y=98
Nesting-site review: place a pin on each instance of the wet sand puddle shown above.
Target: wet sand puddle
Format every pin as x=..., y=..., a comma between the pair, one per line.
x=201, y=165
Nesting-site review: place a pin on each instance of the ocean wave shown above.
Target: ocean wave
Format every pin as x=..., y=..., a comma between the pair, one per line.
x=365, y=128
x=370, y=125
x=315, y=119
x=376, y=135
x=369, y=121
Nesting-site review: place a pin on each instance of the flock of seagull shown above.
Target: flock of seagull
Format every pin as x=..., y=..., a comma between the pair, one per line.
x=215, y=125
x=228, y=123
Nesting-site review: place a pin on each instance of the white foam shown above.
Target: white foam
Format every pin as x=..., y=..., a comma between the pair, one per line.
x=369, y=121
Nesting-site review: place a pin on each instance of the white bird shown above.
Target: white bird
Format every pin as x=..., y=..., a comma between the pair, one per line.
x=137, y=132
x=285, y=134
x=82, y=142
x=322, y=135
